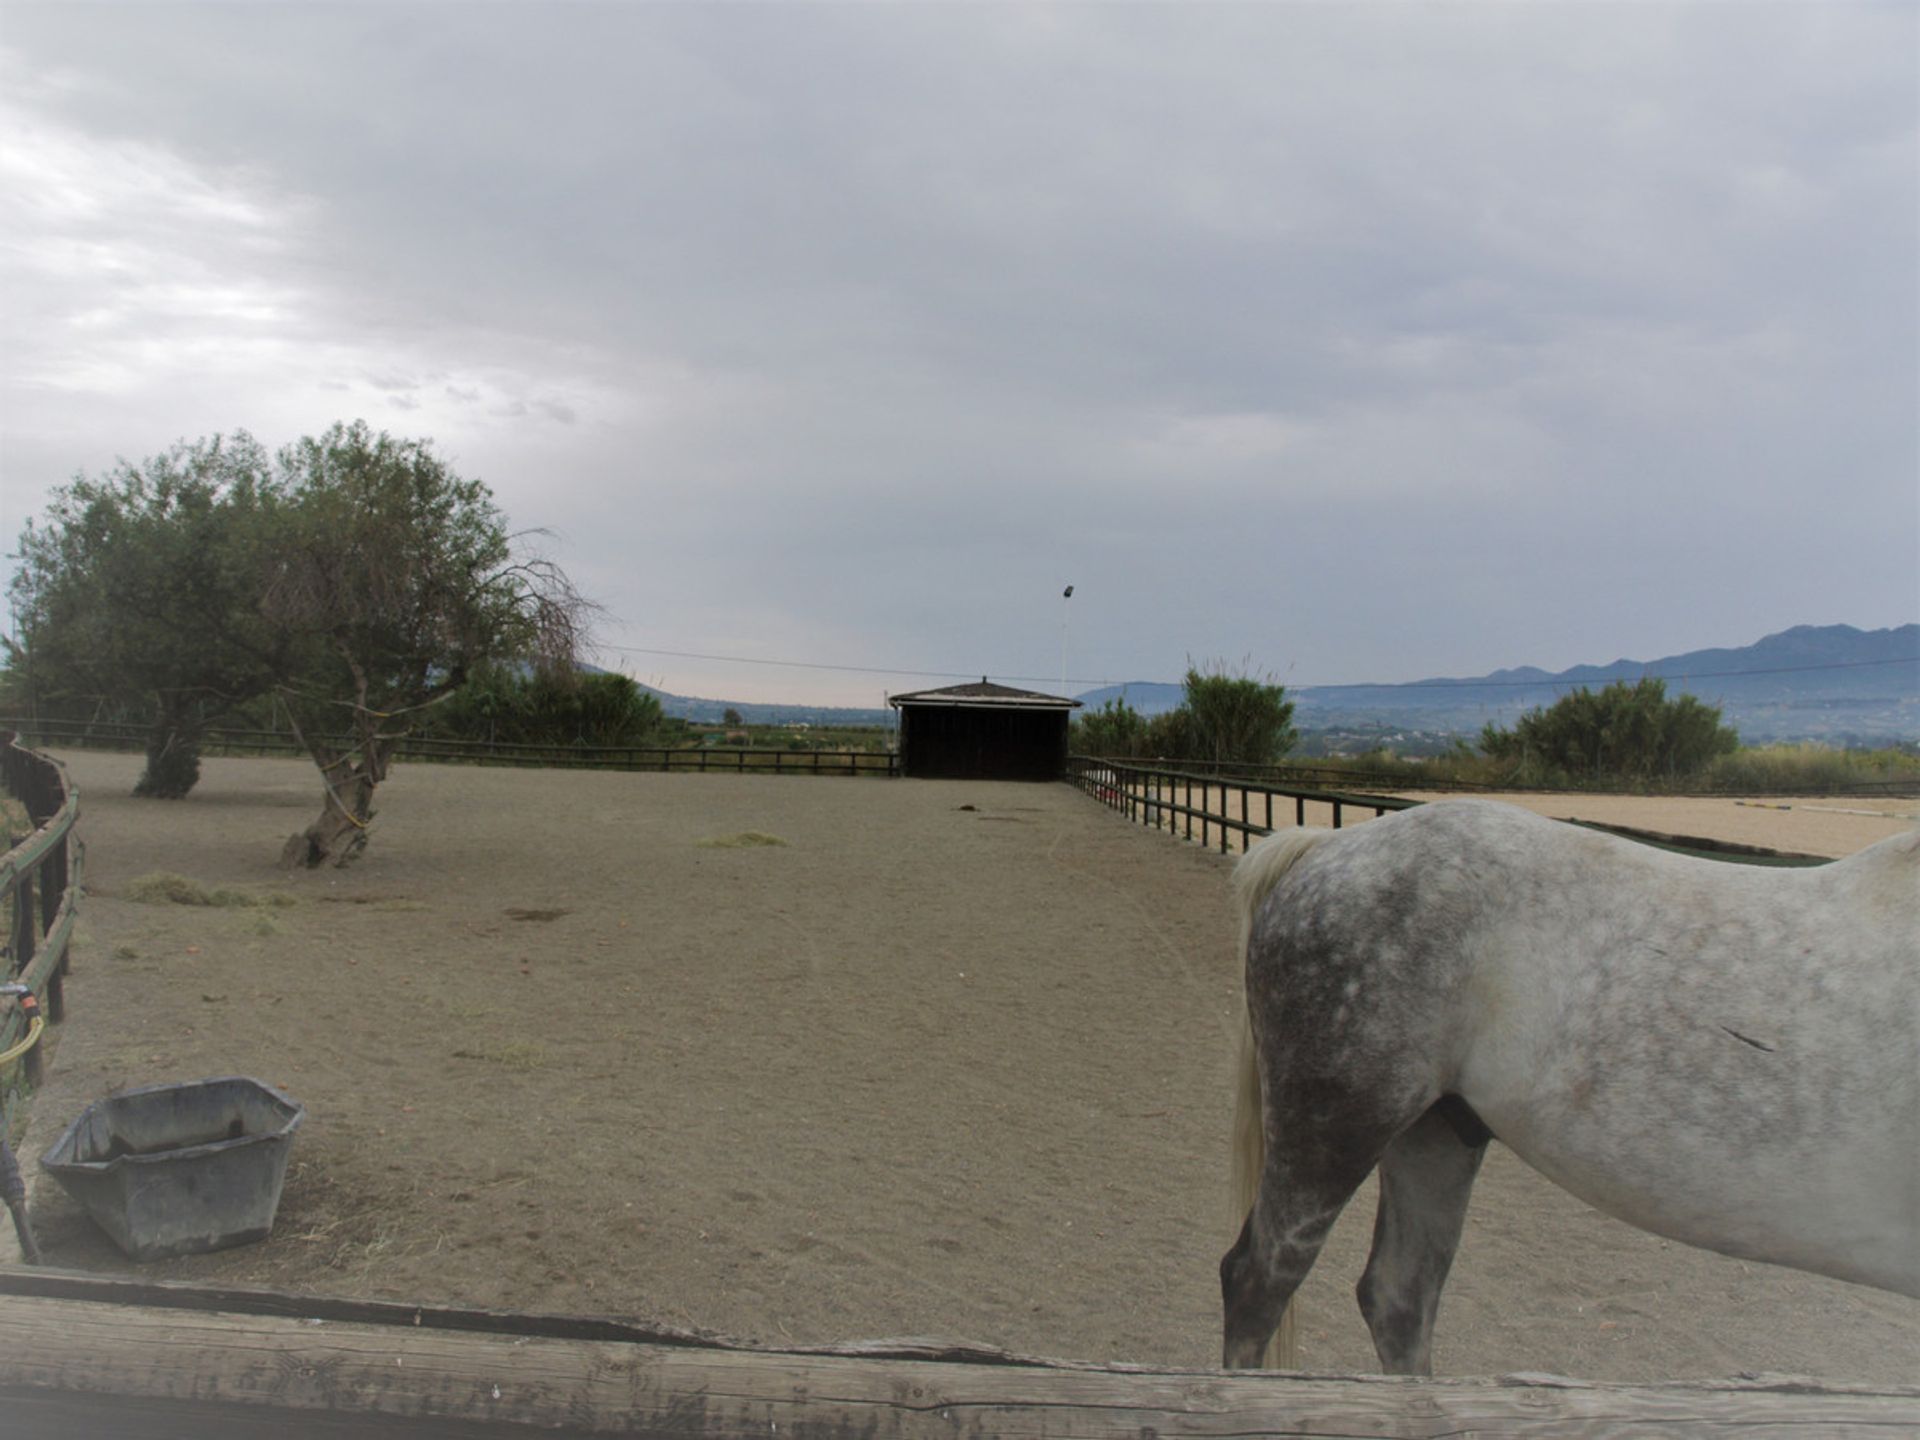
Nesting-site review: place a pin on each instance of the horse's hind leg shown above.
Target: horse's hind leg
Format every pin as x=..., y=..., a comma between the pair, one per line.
x=1426, y=1176
x=1301, y=1195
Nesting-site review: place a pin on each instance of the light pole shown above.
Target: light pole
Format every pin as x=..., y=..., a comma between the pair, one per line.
x=1065, y=610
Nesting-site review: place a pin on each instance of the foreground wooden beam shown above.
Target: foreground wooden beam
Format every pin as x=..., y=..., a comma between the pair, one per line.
x=83, y=1355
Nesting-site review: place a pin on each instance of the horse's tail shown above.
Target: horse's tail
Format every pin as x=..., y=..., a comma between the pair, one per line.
x=1259, y=870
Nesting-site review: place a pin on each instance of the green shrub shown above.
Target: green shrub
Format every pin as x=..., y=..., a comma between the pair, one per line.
x=1623, y=731
x=1223, y=718
x=1810, y=768
x=516, y=706
x=1233, y=719
x=1170, y=735
x=1115, y=730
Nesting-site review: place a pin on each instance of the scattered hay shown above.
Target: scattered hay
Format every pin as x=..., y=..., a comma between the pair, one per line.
x=745, y=840
x=515, y=1055
x=163, y=887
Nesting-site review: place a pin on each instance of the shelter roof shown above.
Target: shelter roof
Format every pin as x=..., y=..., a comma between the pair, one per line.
x=985, y=695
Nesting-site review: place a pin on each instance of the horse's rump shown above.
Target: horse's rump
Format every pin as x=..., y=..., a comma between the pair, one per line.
x=1719, y=1053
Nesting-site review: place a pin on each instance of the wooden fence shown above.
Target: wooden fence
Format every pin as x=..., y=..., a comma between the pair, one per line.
x=93, y=735
x=1295, y=774
x=40, y=887
x=1218, y=806
x=39, y=893
x=1292, y=775
x=1220, y=809
x=91, y=1355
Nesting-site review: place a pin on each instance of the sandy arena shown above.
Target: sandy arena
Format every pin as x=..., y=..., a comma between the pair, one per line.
x=951, y=1060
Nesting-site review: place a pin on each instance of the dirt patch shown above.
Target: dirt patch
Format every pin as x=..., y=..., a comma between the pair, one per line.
x=916, y=1071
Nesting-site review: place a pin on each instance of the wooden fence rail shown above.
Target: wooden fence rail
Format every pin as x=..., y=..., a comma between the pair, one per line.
x=1296, y=775
x=737, y=759
x=89, y=1355
x=1164, y=799
x=1300, y=774
x=40, y=894
x=40, y=888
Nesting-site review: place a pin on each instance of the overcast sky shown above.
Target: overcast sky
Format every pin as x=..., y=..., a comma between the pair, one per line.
x=1349, y=342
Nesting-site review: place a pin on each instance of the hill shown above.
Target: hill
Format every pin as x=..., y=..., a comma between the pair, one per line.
x=1830, y=682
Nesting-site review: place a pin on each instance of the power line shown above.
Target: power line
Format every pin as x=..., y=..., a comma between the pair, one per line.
x=1543, y=682
x=818, y=665
x=1647, y=672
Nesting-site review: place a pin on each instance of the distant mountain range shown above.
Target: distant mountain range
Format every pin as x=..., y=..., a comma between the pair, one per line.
x=712, y=712
x=1813, y=682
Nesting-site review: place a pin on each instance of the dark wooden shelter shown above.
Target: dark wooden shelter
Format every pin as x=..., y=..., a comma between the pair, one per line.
x=983, y=732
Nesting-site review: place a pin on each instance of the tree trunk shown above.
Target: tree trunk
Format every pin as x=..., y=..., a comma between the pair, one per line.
x=340, y=833
x=173, y=755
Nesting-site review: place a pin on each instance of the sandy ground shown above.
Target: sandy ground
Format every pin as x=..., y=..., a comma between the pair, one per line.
x=952, y=1060
x=1836, y=827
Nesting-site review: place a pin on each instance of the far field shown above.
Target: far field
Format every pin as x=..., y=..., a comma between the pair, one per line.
x=951, y=1060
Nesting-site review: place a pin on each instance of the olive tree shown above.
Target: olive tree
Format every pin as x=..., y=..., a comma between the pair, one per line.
x=356, y=578
x=393, y=579
x=137, y=594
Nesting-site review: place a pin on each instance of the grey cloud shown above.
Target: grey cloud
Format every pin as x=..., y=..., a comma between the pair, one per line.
x=1505, y=298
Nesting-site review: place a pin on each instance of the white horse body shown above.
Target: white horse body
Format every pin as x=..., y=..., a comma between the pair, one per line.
x=1724, y=1054
x=1733, y=1064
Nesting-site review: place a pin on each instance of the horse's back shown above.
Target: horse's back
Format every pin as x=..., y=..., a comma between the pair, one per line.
x=1722, y=1053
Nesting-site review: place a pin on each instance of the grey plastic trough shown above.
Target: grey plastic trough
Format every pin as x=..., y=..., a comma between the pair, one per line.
x=180, y=1169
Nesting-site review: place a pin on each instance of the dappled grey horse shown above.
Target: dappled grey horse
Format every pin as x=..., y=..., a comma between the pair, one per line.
x=1724, y=1054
